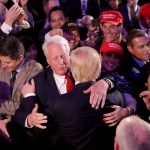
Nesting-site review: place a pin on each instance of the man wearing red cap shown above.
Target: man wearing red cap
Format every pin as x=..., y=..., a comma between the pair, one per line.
x=111, y=24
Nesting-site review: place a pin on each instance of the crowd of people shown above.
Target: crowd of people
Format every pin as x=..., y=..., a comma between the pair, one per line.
x=75, y=74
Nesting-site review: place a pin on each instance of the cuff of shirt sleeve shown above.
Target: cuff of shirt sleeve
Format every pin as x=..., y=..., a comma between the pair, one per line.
x=6, y=28
x=26, y=123
x=30, y=94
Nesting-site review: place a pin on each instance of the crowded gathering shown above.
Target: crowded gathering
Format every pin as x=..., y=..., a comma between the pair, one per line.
x=75, y=74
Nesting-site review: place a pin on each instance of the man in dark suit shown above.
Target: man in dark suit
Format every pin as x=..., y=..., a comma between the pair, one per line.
x=78, y=124
x=49, y=84
x=130, y=13
x=139, y=55
x=86, y=128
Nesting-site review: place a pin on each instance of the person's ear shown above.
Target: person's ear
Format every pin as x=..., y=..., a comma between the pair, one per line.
x=116, y=146
x=130, y=49
x=20, y=58
x=101, y=26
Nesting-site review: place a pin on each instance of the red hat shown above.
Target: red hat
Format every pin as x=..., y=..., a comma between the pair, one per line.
x=111, y=16
x=145, y=10
x=112, y=47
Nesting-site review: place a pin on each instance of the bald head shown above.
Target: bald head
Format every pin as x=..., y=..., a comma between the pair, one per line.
x=132, y=133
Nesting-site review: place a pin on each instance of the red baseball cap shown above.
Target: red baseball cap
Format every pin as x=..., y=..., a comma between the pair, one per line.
x=111, y=16
x=145, y=10
x=112, y=47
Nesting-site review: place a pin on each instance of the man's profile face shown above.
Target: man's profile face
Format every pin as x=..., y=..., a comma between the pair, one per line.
x=140, y=48
x=58, y=59
x=9, y=64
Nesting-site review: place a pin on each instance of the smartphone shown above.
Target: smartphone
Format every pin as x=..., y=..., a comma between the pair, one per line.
x=7, y=3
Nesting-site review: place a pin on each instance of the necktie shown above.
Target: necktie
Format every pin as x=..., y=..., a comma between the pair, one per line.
x=12, y=79
x=133, y=15
x=69, y=84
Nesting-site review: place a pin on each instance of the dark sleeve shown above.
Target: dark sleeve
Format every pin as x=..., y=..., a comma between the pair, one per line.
x=2, y=35
x=25, y=108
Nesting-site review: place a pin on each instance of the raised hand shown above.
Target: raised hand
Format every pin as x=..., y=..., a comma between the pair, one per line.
x=12, y=14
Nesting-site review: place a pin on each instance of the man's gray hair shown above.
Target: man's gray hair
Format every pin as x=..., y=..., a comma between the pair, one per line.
x=56, y=39
x=133, y=133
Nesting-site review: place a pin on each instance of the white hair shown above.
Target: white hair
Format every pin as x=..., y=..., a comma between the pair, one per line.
x=56, y=39
x=133, y=133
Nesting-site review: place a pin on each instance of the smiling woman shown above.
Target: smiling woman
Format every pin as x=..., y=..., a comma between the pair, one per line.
x=112, y=53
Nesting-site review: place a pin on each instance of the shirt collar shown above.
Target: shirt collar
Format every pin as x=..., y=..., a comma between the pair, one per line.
x=139, y=62
x=142, y=27
x=21, y=65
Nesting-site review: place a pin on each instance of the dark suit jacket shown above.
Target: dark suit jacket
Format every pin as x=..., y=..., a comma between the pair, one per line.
x=2, y=35
x=73, y=8
x=45, y=88
x=131, y=70
x=132, y=73
x=80, y=125
x=128, y=25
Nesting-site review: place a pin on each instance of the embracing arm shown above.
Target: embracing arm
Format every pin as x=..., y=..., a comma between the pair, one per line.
x=121, y=112
x=99, y=91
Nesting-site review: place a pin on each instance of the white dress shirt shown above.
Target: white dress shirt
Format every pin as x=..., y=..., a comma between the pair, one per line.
x=6, y=28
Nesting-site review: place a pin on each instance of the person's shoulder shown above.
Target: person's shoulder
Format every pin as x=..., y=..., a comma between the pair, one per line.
x=33, y=63
x=43, y=74
x=2, y=35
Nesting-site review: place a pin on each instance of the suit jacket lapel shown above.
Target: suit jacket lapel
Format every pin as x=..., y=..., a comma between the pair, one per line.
x=51, y=82
x=21, y=78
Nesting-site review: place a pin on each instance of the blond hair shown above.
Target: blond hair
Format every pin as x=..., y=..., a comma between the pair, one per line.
x=85, y=64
